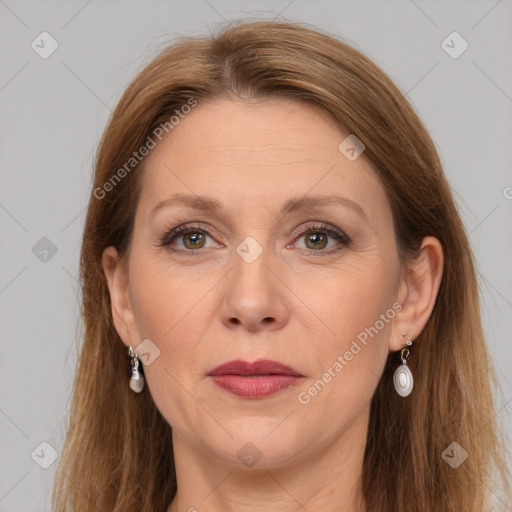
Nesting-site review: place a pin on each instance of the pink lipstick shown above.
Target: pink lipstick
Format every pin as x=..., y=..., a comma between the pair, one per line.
x=254, y=380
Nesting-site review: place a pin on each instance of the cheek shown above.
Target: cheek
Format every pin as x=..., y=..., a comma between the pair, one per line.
x=174, y=307
x=156, y=304
x=168, y=310
x=162, y=296
x=359, y=312
x=351, y=297
x=351, y=363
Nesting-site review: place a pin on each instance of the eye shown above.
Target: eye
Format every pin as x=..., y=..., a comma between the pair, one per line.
x=188, y=238
x=319, y=239
x=322, y=239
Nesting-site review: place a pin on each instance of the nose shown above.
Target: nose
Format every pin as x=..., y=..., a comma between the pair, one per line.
x=254, y=297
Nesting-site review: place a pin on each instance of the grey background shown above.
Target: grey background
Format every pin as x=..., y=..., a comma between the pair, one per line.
x=53, y=112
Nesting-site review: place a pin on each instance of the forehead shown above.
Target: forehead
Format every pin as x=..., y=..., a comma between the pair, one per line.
x=257, y=152
x=270, y=131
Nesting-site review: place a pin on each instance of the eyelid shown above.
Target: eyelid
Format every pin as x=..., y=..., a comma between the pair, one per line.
x=318, y=226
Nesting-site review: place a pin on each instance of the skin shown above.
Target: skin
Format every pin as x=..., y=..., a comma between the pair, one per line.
x=288, y=305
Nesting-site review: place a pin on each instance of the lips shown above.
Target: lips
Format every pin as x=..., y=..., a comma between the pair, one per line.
x=259, y=379
x=260, y=367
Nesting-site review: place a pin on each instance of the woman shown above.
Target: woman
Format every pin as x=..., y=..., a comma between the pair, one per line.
x=279, y=297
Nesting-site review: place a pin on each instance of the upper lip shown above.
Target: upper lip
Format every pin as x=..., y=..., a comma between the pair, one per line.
x=259, y=367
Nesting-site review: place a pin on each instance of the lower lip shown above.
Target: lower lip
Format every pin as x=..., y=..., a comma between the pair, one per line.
x=255, y=386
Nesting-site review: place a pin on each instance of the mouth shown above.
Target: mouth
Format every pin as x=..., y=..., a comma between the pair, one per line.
x=259, y=379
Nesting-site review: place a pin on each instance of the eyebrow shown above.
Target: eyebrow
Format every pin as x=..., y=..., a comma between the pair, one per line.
x=291, y=205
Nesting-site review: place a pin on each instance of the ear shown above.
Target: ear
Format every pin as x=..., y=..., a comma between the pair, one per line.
x=118, y=285
x=418, y=292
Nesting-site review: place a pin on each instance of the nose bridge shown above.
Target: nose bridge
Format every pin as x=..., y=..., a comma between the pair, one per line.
x=253, y=297
x=251, y=281
x=250, y=261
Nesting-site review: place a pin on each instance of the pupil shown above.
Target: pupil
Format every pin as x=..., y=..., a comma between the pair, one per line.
x=194, y=239
x=317, y=238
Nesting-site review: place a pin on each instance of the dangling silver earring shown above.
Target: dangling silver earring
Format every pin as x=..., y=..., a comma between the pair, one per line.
x=136, y=379
x=402, y=378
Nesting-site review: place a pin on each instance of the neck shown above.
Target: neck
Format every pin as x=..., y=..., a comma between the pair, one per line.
x=328, y=479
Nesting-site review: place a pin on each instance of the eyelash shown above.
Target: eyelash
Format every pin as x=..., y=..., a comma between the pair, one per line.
x=333, y=233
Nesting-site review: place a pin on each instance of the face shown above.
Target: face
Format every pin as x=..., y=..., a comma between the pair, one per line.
x=285, y=252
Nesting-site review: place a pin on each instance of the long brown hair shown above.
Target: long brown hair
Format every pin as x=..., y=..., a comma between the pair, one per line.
x=118, y=453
